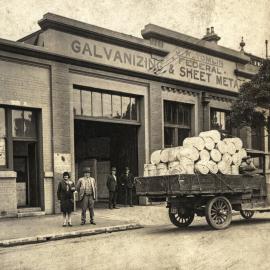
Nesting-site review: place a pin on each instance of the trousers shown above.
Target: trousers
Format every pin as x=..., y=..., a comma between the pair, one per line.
x=87, y=203
x=112, y=198
x=128, y=196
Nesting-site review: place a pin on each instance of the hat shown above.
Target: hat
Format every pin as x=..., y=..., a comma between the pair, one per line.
x=66, y=174
x=86, y=169
x=113, y=169
x=247, y=157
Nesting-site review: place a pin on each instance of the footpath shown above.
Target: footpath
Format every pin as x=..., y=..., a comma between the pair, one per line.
x=29, y=230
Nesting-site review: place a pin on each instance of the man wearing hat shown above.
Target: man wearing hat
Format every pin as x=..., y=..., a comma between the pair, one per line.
x=127, y=181
x=247, y=166
x=87, y=190
x=112, y=188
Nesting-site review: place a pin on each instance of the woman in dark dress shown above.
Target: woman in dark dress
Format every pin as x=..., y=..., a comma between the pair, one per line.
x=65, y=194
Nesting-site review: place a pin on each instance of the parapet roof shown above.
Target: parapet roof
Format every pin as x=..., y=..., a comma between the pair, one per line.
x=53, y=21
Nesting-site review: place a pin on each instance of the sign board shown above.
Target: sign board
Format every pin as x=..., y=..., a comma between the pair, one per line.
x=182, y=64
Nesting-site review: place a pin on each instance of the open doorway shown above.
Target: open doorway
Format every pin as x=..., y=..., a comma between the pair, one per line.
x=104, y=145
x=25, y=164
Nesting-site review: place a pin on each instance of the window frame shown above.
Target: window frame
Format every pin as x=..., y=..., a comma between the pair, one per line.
x=176, y=125
x=227, y=113
x=111, y=118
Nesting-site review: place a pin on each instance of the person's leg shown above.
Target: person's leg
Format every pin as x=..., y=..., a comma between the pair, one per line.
x=69, y=219
x=110, y=199
x=126, y=195
x=130, y=197
x=64, y=219
x=84, y=207
x=91, y=210
x=115, y=199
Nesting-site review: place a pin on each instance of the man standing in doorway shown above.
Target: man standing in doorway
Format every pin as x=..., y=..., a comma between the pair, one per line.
x=112, y=187
x=86, y=187
x=127, y=180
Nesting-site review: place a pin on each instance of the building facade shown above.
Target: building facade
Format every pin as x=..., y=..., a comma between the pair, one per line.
x=74, y=94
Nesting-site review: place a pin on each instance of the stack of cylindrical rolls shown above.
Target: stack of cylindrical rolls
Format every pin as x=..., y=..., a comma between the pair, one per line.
x=203, y=154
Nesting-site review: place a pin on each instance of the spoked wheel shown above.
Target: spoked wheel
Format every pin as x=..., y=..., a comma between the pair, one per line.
x=181, y=217
x=247, y=214
x=218, y=213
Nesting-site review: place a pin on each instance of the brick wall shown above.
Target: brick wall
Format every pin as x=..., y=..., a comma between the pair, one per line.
x=48, y=186
x=155, y=117
x=8, y=198
x=24, y=83
x=62, y=119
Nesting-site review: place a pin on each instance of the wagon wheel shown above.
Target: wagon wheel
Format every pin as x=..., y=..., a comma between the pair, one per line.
x=181, y=218
x=218, y=213
x=247, y=214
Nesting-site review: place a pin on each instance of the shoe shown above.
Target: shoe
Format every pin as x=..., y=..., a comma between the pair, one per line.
x=64, y=225
x=83, y=223
x=110, y=207
x=69, y=225
x=92, y=222
x=131, y=206
x=116, y=207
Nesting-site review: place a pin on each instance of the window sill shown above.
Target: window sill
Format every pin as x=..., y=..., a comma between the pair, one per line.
x=8, y=174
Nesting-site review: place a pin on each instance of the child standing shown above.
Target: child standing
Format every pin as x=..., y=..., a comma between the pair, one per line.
x=65, y=194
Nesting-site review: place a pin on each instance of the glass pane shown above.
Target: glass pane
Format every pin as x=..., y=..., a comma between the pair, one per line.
x=134, y=111
x=96, y=101
x=2, y=152
x=86, y=103
x=17, y=123
x=126, y=107
x=222, y=120
x=77, y=101
x=2, y=123
x=107, y=105
x=116, y=106
x=169, y=137
x=166, y=112
x=29, y=124
x=180, y=115
x=187, y=116
x=182, y=134
x=228, y=122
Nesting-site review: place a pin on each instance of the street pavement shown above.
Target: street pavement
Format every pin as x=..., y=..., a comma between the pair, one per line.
x=17, y=231
x=159, y=245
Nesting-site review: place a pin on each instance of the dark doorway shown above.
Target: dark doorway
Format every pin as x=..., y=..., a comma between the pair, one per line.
x=109, y=144
x=25, y=164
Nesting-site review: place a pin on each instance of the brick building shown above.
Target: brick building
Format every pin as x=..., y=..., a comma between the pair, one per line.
x=74, y=94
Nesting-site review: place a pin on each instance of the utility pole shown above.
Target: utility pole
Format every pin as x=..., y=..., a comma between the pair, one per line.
x=266, y=49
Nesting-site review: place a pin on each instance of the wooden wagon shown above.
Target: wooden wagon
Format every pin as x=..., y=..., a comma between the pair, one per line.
x=213, y=195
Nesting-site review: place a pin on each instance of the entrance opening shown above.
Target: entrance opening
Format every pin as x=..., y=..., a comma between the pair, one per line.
x=101, y=145
x=25, y=164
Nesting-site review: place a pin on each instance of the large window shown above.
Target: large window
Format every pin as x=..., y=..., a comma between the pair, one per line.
x=220, y=120
x=15, y=125
x=177, y=123
x=101, y=104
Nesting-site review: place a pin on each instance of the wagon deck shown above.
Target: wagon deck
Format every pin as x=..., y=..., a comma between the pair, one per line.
x=188, y=184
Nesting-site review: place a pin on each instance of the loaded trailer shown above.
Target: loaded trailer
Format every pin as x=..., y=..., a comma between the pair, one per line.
x=213, y=195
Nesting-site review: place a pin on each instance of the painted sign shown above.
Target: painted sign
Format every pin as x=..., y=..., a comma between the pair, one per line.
x=181, y=64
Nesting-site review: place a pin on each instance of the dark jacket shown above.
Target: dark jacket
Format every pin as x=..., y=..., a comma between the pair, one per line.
x=65, y=191
x=127, y=180
x=111, y=183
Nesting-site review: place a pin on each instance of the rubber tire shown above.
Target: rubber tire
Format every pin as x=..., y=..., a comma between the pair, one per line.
x=175, y=222
x=242, y=213
x=208, y=217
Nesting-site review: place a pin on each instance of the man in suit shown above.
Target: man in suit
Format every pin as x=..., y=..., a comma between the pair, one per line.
x=112, y=187
x=127, y=181
x=87, y=190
